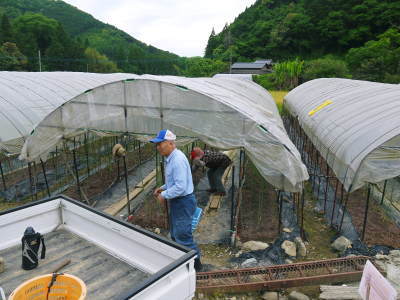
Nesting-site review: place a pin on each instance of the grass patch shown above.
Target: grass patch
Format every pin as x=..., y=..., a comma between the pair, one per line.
x=319, y=233
x=278, y=97
x=8, y=205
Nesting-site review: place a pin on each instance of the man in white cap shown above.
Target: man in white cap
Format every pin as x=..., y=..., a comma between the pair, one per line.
x=178, y=190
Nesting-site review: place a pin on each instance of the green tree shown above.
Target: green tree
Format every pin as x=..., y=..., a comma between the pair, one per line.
x=34, y=32
x=325, y=68
x=202, y=67
x=377, y=60
x=6, y=32
x=98, y=63
x=11, y=59
x=285, y=29
x=211, y=45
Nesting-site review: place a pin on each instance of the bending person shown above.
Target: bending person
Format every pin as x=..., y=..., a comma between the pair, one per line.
x=217, y=162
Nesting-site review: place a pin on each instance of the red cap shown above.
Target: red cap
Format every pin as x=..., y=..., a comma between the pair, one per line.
x=197, y=153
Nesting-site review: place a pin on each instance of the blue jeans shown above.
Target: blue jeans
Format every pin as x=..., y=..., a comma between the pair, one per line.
x=181, y=211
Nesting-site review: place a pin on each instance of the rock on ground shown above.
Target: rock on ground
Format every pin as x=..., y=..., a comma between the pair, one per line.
x=254, y=245
x=289, y=247
x=248, y=263
x=301, y=248
x=341, y=244
x=270, y=296
x=298, y=296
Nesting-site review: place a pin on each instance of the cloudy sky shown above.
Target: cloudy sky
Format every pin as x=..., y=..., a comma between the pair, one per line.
x=178, y=26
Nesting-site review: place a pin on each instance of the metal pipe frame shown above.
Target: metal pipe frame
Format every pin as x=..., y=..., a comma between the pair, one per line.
x=45, y=177
x=366, y=212
x=128, y=204
x=232, y=198
x=3, y=179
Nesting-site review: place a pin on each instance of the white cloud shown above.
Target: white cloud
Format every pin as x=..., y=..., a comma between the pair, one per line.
x=178, y=26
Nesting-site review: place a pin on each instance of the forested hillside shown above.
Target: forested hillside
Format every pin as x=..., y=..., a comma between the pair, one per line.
x=70, y=39
x=363, y=33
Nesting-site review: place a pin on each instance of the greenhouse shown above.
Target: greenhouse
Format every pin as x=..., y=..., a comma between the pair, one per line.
x=27, y=98
x=224, y=113
x=63, y=130
x=355, y=125
x=348, y=133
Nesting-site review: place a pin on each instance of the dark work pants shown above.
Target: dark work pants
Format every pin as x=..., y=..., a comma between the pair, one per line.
x=215, y=178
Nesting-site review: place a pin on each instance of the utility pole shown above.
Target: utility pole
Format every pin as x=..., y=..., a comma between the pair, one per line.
x=230, y=50
x=40, y=62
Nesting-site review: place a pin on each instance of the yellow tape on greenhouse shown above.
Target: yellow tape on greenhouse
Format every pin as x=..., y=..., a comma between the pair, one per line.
x=318, y=108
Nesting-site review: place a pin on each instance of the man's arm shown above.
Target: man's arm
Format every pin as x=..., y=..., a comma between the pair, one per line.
x=197, y=163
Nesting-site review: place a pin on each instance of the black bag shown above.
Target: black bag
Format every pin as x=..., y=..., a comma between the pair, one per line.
x=30, y=248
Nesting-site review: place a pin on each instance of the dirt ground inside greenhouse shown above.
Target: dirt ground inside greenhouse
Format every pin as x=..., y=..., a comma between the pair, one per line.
x=258, y=214
x=380, y=229
x=151, y=214
x=102, y=181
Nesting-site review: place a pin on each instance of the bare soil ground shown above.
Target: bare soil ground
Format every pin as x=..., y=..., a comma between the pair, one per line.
x=258, y=214
x=380, y=229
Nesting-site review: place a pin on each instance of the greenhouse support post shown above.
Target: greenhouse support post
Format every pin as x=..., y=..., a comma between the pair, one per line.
x=341, y=199
x=280, y=210
x=55, y=157
x=167, y=219
x=128, y=204
x=30, y=180
x=45, y=177
x=302, y=213
x=140, y=160
x=327, y=183
x=162, y=171
x=118, y=170
x=35, y=179
x=384, y=191
x=366, y=212
x=87, y=154
x=344, y=208
x=2, y=177
x=334, y=201
x=78, y=185
x=314, y=166
x=232, y=197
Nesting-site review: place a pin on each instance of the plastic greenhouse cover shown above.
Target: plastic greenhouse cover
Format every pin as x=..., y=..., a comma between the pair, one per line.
x=354, y=124
x=26, y=98
x=225, y=113
x=236, y=76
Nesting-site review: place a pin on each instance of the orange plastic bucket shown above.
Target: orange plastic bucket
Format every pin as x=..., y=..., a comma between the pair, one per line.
x=65, y=287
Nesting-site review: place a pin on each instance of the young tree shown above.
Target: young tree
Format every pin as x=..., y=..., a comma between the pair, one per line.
x=98, y=63
x=211, y=45
x=11, y=59
x=203, y=67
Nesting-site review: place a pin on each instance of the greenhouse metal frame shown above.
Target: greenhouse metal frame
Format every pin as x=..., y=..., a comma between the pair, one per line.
x=348, y=132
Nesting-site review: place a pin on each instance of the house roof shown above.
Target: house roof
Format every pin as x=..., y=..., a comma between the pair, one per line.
x=265, y=61
x=240, y=65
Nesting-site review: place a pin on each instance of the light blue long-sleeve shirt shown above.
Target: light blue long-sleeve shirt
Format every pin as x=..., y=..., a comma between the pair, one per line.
x=178, y=176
